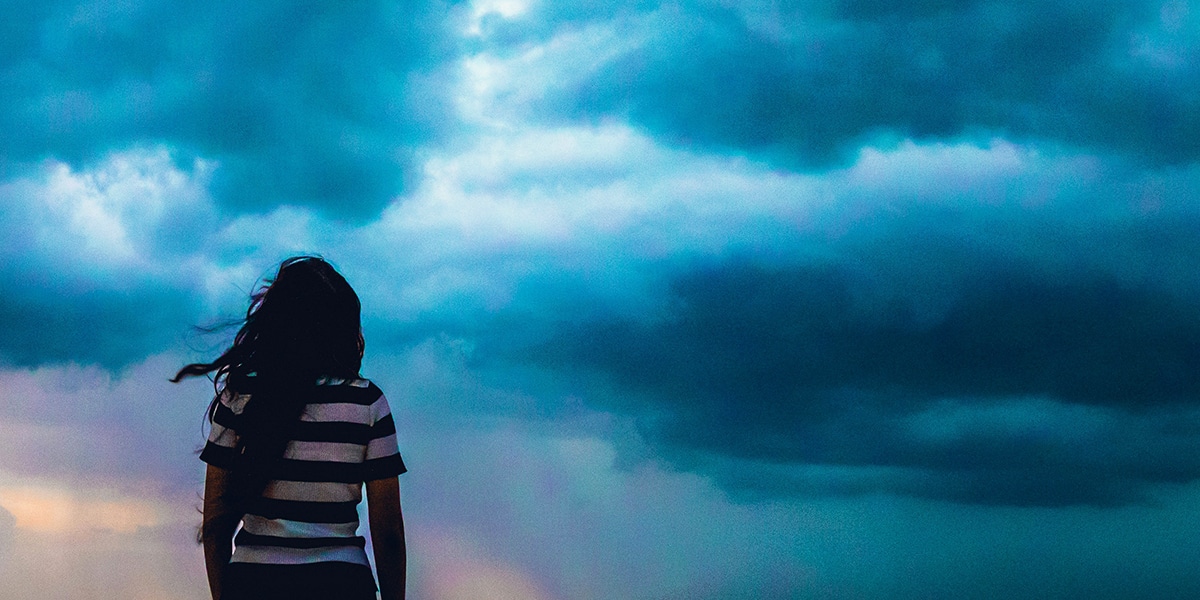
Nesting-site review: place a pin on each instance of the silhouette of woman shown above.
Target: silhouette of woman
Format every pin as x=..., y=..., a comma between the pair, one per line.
x=296, y=432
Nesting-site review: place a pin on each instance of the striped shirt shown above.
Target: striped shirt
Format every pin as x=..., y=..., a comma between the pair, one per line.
x=308, y=512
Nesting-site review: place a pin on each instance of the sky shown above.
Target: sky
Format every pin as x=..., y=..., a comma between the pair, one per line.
x=705, y=299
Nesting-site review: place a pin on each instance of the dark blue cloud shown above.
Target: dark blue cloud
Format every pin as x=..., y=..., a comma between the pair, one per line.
x=742, y=331
x=106, y=325
x=59, y=317
x=310, y=103
x=930, y=353
x=806, y=84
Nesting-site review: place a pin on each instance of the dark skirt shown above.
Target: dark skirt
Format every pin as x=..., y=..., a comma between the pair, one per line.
x=317, y=581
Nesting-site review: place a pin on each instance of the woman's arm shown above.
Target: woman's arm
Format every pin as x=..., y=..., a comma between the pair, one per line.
x=387, y=535
x=217, y=527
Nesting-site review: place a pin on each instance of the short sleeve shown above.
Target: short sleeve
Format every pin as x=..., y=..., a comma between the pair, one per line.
x=382, y=458
x=221, y=448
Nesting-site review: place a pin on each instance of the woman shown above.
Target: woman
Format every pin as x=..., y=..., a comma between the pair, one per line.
x=296, y=432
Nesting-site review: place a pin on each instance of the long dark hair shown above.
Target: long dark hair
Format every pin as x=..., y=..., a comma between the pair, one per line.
x=302, y=324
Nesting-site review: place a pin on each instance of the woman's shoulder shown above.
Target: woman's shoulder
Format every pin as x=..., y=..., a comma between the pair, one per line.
x=359, y=387
x=357, y=382
x=234, y=400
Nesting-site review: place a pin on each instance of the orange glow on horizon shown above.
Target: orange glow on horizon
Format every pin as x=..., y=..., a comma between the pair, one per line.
x=460, y=570
x=57, y=510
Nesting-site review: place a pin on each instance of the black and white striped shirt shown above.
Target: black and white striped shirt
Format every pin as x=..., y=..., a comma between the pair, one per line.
x=308, y=511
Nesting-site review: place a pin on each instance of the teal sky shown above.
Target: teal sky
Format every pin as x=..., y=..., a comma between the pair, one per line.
x=764, y=299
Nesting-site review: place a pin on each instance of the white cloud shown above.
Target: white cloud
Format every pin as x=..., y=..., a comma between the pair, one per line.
x=499, y=91
x=117, y=212
x=480, y=9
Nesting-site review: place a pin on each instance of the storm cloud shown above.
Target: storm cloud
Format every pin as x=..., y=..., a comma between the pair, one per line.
x=806, y=366
x=936, y=347
x=806, y=84
x=311, y=104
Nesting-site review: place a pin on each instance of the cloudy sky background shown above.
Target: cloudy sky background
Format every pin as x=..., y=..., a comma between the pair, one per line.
x=707, y=299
